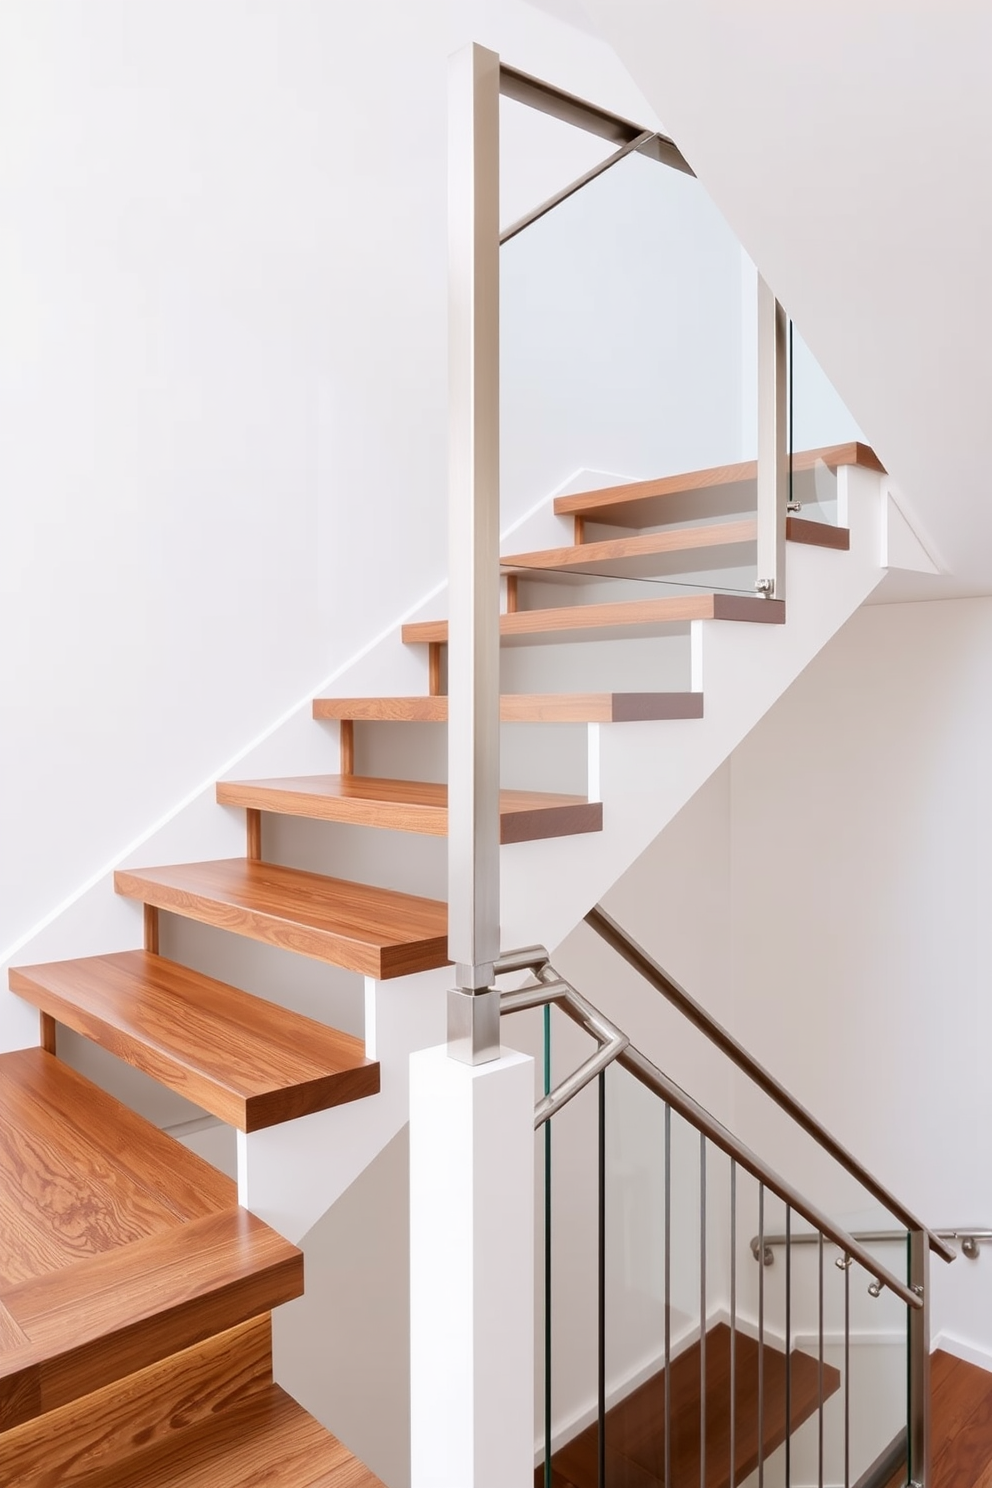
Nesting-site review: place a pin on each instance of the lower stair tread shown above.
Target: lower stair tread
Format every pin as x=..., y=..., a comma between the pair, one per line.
x=117, y=1245
x=377, y=932
x=409, y=805
x=247, y=1061
x=522, y=707
x=267, y=1440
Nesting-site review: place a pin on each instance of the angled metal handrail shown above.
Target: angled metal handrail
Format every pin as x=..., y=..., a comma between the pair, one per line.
x=608, y=929
x=615, y=1047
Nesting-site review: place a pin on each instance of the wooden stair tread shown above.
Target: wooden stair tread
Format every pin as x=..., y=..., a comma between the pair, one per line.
x=247, y=1061
x=522, y=707
x=643, y=503
x=630, y=616
x=267, y=1440
x=635, y=1427
x=377, y=932
x=631, y=557
x=409, y=805
x=117, y=1245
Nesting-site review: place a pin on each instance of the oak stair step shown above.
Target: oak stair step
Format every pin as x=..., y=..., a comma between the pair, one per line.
x=409, y=805
x=655, y=553
x=521, y=707
x=650, y=503
x=629, y=617
x=267, y=1440
x=245, y=1060
x=635, y=1426
x=118, y=1246
x=378, y=932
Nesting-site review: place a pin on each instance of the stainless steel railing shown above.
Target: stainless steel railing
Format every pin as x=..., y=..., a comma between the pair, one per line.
x=970, y=1238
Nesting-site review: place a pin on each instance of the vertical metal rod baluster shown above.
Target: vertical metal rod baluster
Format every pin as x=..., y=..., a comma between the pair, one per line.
x=702, y=1311
x=819, y=1371
x=918, y=1325
x=761, y=1335
x=847, y=1371
x=601, y=1346
x=788, y=1346
x=668, y=1296
x=547, y=1253
x=733, y=1325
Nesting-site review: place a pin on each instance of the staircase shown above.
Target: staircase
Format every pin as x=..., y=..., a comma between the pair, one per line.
x=134, y=1291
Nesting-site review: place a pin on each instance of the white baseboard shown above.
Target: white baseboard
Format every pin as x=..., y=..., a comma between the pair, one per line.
x=970, y=1353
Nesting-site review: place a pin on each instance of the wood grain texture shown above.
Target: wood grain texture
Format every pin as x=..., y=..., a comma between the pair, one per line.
x=347, y=746
x=409, y=805
x=48, y=1036
x=434, y=670
x=266, y=1442
x=547, y=707
x=628, y=556
x=253, y=835
x=378, y=932
x=635, y=1428
x=643, y=503
x=151, y=928
x=247, y=1061
x=961, y=1424
x=817, y=534
x=107, y=1428
x=570, y=621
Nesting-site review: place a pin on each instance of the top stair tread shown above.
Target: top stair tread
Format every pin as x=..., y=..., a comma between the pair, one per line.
x=378, y=932
x=117, y=1245
x=523, y=707
x=645, y=503
x=628, y=616
x=268, y=1439
x=246, y=1060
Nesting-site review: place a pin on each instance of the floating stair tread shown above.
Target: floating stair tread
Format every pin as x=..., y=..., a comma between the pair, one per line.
x=631, y=557
x=117, y=1245
x=377, y=932
x=643, y=503
x=409, y=805
x=630, y=616
x=245, y=1060
x=522, y=707
x=266, y=1442
x=636, y=1425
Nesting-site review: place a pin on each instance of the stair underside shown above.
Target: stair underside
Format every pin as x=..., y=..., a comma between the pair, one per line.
x=576, y=707
x=627, y=617
x=118, y=1246
x=648, y=503
x=652, y=554
x=409, y=805
x=377, y=932
x=635, y=1428
x=247, y=1061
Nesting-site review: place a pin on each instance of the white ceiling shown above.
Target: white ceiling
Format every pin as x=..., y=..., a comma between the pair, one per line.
x=849, y=145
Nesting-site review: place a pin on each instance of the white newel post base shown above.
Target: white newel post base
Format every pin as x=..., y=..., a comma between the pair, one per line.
x=471, y=1271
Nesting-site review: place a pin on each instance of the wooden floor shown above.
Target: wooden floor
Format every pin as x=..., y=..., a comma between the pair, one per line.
x=635, y=1428
x=961, y=1424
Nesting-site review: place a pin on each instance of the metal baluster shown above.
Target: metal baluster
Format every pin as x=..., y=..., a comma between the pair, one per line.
x=601, y=1350
x=761, y=1336
x=788, y=1345
x=668, y=1296
x=547, y=1253
x=819, y=1372
x=702, y=1311
x=847, y=1371
x=733, y=1324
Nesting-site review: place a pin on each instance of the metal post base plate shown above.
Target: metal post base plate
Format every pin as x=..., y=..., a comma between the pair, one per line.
x=473, y=1025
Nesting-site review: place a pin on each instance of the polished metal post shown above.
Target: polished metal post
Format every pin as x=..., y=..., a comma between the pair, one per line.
x=773, y=470
x=668, y=1293
x=761, y=1338
x=702, y=1311
x=473, y=552
x=919, y=1360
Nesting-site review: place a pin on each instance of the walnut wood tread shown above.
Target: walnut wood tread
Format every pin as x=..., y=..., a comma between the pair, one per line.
x=377, y=932
x=522, y=707
x=630, y=617
x=409, y=805
x=648, y=503
x=266, y=1442
x=635, y=1427
x=247, y=1061
x=654, y=553
x=118, y=1247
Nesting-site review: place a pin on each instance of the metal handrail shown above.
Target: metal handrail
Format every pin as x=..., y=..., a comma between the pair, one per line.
x=608, y=929
x=615, y=1047
x=968, y=1236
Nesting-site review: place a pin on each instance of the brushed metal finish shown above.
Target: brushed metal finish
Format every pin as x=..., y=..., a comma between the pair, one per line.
x=545, y=207
x=473, y=553
x=473, y=1025
x=773, y=472
x=969, y=1238
x=919, y=1360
